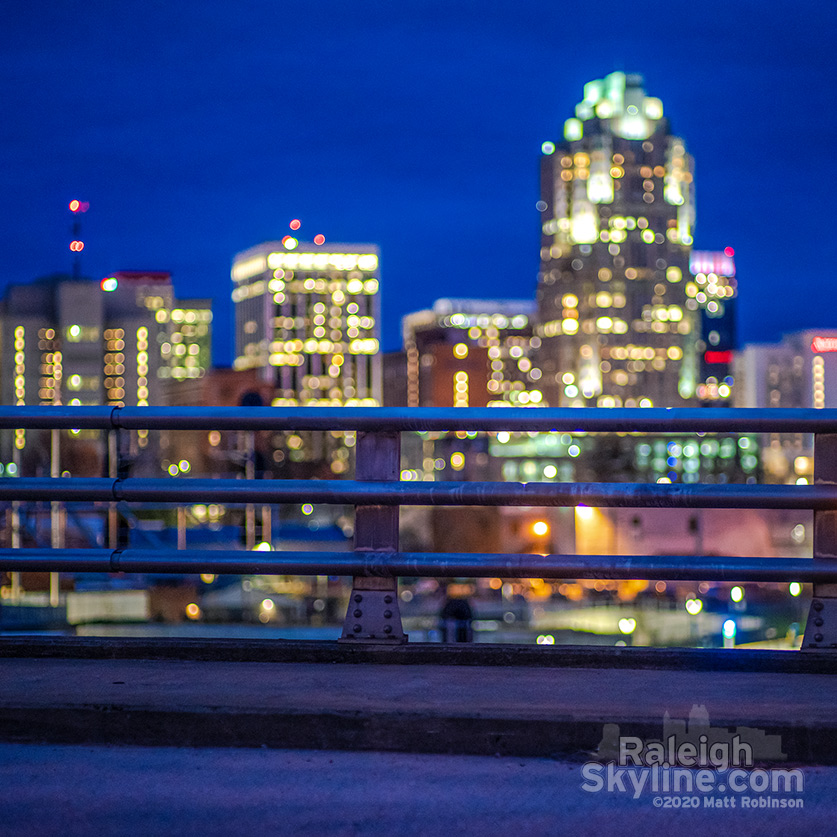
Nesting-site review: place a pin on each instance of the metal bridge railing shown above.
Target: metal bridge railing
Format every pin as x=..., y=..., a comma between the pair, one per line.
x=376, y=492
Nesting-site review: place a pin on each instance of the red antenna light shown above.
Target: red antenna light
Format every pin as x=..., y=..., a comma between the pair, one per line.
x=728, y=251
x=77, y=245
x=319, y=239
x=295, y=224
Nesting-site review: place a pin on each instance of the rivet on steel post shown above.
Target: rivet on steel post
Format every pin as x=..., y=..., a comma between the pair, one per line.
x=373, y=615
x=821, y=628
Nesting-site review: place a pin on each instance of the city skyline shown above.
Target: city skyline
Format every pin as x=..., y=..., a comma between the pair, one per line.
x=195, y=147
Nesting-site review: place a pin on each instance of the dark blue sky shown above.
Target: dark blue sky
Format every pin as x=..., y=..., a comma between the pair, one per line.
x=198, y=129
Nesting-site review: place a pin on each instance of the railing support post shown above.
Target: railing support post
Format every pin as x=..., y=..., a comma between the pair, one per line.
x=373, y=614
x=821, y=628
x=17, y=590
x=113, y=473
x=56, y=522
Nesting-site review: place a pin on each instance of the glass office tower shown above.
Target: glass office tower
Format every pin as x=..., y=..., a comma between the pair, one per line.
x=617, y=327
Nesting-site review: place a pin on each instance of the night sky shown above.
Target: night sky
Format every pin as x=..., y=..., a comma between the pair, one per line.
x=198, y=129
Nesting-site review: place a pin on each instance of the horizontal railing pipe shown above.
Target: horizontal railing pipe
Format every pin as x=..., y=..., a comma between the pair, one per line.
x=383, y=493
x=422, y=564
x=524, y=419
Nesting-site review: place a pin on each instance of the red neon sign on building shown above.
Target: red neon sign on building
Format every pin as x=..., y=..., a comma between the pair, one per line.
x=824, y=344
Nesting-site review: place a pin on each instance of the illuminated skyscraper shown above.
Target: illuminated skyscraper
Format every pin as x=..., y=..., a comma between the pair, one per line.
x=465, y=353
x=712, y=287
x=616, y=324
x=309, y=319
x=153, y=334
x=80, y=342
x=472, y=353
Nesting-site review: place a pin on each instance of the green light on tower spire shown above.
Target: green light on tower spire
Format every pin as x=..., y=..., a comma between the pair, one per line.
x=621, y=100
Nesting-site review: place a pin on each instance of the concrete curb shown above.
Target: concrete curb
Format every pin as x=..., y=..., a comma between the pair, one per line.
x=565, y=738
x=319, y=651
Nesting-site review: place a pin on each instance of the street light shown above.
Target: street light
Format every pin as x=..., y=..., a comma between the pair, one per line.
x=540, y=528
x=728, y=631
x=694, y=606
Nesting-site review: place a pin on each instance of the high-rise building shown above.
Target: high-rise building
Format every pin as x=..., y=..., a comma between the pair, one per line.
x=309, y=319
x=465, y=353
x=177, y=342
x=77, y=341
x=712, y=286
x=616, y=323
x=472, y=353
x=798, y=372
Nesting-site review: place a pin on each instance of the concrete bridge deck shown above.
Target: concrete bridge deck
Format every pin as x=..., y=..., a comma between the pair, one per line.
x=478, y=700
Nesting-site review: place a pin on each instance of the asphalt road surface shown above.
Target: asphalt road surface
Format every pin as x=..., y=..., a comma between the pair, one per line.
x=111, y=790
